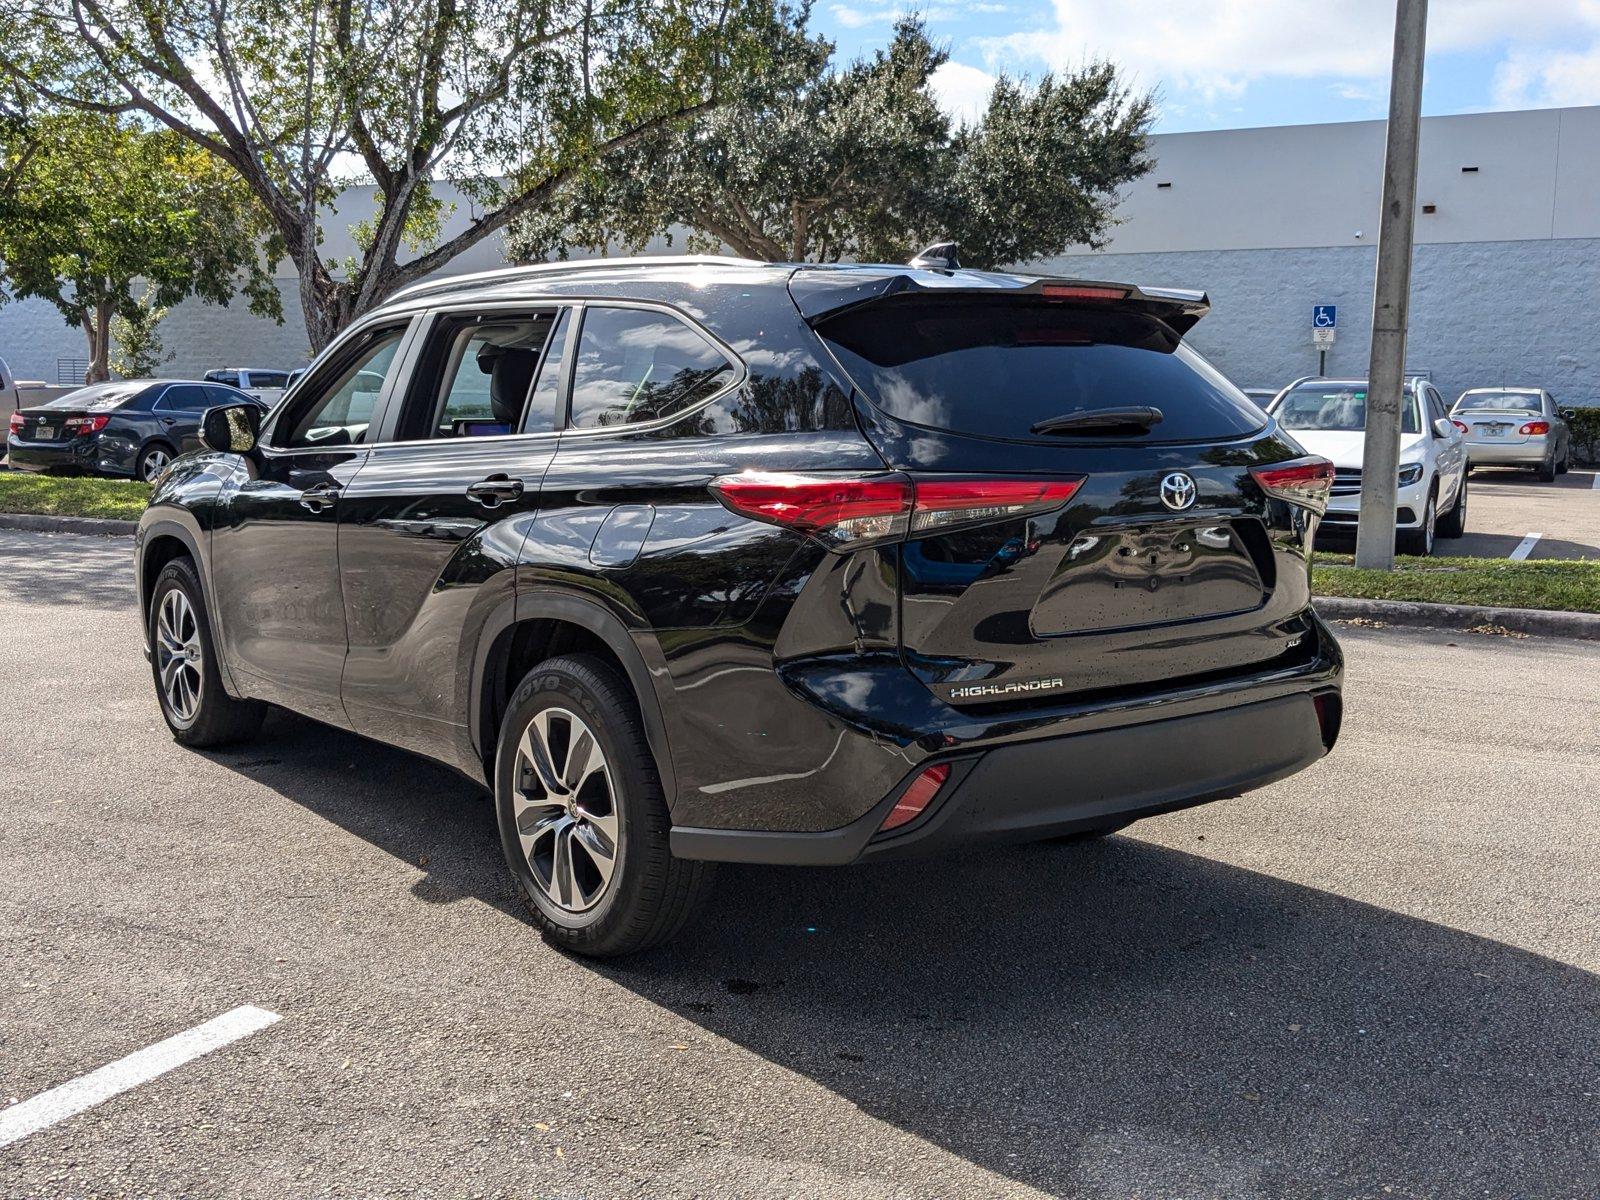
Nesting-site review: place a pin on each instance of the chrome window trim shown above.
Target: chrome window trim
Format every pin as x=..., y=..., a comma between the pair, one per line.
x=578, y=304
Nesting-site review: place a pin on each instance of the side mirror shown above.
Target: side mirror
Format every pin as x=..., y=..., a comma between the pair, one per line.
x=231, y=428
x=1441, y=427
x=1568, y=414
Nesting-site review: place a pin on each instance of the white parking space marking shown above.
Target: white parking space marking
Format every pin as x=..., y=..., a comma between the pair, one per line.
x=1594, y=481
x=141, y=1066
x=1525, y=547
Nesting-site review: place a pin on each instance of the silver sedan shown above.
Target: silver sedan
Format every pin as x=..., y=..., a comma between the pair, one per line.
x=1514, y=427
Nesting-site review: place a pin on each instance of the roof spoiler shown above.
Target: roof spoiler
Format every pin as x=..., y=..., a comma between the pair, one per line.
x=820, y=291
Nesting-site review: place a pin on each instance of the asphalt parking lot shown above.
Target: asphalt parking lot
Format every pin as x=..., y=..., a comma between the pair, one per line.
x=1505, y=509
x=1374, y=979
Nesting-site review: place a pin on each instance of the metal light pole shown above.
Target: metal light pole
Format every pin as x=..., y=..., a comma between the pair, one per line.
x=1391, y=297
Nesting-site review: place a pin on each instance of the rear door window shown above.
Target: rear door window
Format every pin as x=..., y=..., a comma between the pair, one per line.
x=640, y=365
x=475, y=376
x=269, y=379
x=995, y=368
x=183, y=397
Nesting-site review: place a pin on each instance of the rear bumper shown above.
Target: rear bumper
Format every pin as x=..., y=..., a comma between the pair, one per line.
x=44, y=457
x=1181, y=750
x=1497, y=454
x=81, y=455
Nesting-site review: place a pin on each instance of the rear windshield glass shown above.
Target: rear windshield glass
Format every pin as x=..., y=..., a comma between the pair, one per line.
x=994, y=368
x=1500, y=401
x=98, y=397
x=1337, y=409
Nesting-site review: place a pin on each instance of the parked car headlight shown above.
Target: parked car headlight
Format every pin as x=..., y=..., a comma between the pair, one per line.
x=1410, y=473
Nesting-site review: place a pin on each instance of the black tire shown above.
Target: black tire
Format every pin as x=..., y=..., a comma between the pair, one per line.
x=649, y=895
x=1454, y=523
x=1547, y=470
x=216, y=718
x=1419, y=542
x=148, y=466
x=1566, y=461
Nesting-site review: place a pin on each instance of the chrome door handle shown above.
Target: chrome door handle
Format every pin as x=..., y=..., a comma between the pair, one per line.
x=319, y=497
x=495, y=490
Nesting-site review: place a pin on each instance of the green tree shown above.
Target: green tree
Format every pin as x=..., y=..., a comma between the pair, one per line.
x=505, y=99
x=811, y=163
x=137, y=350
x=92, y=204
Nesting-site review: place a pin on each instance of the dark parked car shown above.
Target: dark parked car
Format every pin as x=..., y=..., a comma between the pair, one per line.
x=130, y=428
x=700, y=560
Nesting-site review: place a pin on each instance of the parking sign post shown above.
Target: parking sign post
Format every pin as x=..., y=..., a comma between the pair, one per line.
x=1324, y=328
x=1391, y=297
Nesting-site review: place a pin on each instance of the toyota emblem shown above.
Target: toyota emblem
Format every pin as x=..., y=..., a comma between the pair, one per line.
x=1177, y=491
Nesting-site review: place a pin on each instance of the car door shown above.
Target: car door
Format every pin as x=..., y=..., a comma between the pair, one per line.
x=274, y=540
x=178, y=411
x=1449, y=448
x=430, y=527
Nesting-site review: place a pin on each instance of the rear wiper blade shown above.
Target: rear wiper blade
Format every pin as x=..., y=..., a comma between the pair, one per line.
x=1136, y=418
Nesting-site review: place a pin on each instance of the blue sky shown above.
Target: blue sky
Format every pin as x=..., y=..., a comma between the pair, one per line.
x=1221, y=64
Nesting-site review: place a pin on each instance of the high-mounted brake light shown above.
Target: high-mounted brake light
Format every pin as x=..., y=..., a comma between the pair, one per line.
x=1535, y=427
x=849, y=511
x=81, y=426
x=1303, y=481
x=916, y=798
x=1068, y=291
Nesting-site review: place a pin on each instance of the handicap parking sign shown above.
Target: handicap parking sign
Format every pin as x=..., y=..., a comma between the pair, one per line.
x=1324, y=316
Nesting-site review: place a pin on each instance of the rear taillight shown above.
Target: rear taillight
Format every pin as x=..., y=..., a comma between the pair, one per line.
x=941, y=503
x=16, y=422
x=1535, y=427
x=916, y=798
x=1303, y=481
x=82, y=426
x=852, y=511
x=1461, y=425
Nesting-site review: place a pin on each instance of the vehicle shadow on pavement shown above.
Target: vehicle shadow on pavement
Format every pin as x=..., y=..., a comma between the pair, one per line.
x=1112, y=1018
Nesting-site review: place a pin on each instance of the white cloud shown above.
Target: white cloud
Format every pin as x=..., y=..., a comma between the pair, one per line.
x=1534, y=78
x=1217, y=48
x=962, y=91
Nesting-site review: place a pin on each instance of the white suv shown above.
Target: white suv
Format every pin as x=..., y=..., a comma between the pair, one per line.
x=1329, y=417
x=261, y=383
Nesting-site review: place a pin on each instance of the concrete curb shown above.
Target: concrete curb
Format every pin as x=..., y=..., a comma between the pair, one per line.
x=42, y=524
x=1535, y=621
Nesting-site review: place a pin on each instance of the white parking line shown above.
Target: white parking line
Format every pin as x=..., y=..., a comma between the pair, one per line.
x=141, y=1066
x=1525, y=547
x=1594, y=481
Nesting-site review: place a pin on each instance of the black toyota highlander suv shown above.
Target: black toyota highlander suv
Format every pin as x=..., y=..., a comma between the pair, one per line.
x=703, y=559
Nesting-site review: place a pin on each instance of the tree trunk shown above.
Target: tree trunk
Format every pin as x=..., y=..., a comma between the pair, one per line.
x=97, y=332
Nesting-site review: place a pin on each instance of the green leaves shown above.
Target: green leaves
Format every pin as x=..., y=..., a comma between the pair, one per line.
x=92, y=203
x=811, y=163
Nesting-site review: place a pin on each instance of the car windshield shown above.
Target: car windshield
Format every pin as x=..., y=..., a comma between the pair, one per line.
x=1337, y=408
x=1499, y=401
x=98, y=397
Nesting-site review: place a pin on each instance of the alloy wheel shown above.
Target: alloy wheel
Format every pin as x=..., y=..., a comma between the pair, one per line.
x=1429, y=520
x=565, y=810
x=155, y=461
x=179, y=657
